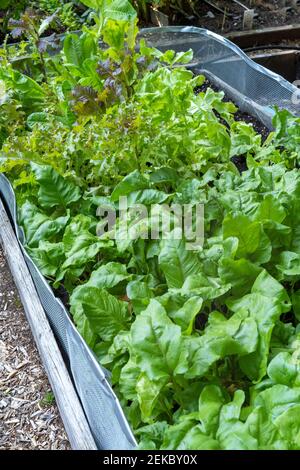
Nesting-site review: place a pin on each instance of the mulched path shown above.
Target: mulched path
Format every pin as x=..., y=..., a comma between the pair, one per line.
x=29, y=418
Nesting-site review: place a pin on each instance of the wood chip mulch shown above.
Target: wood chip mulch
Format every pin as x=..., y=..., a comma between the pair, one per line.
x=29, y=418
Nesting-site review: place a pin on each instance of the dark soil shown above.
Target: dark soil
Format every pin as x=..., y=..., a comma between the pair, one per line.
x=63, y=295
x=267, y=14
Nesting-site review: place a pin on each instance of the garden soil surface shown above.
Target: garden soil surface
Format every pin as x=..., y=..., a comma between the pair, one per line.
x=267, y=14
x=28, y=414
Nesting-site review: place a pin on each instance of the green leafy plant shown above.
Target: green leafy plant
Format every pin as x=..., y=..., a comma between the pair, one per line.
x=69, y=15
x=48, y=400
x=32, y=26
x=9, y=9
x=186, y=331
x=119, y=10
x=202, y=345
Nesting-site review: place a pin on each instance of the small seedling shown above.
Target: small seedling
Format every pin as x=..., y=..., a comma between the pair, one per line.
x=49, y=399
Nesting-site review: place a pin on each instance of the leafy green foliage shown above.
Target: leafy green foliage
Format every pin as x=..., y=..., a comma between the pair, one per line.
x=68, y=15
x=54, y=190
x=202, y=345
x=212, y=320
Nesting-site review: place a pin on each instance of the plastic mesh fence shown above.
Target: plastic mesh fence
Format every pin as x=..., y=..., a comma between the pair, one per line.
x=256, y=90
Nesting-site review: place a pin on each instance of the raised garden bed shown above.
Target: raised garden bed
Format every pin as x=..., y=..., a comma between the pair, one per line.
x=196, y=341
x=75, y=423
x=225, y=16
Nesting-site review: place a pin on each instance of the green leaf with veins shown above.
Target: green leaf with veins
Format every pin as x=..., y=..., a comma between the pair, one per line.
x=266, y=302
x=107, y=315
x=106, y=276
x=148, y=392
x=80, y=245
x=204, y=286
x=185, y=316
x=240, y=274
x=39, y=226
x=48, y=257
x=157, y=344
x=236, y=336
x=188, y=435
x=177, y=262
x=132, y=182
x=54, y=190
x=253, y=242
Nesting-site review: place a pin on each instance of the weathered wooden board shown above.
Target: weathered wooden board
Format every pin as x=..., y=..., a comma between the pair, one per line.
x=72, y=414
x=257, y=37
